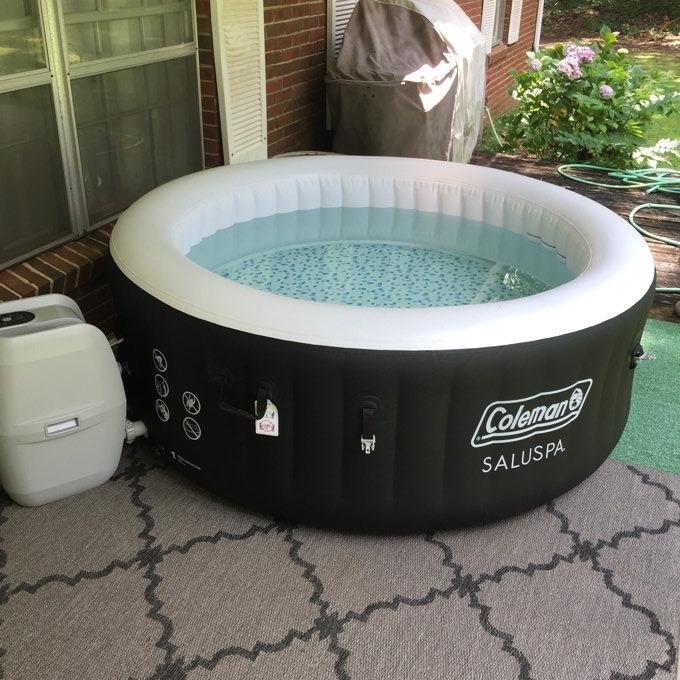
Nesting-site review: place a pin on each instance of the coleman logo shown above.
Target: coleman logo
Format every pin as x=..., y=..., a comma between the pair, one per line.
x=512, y=420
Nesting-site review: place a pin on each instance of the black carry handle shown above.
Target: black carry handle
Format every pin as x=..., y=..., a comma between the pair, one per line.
x=260, y=404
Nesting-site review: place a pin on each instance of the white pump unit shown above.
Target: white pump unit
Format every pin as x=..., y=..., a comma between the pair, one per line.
x=62, y=402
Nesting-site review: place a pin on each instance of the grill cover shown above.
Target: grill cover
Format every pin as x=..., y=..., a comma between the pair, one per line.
x=409, y=81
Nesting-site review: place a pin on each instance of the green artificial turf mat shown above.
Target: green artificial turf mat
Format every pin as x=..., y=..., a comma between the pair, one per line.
x=652, y=435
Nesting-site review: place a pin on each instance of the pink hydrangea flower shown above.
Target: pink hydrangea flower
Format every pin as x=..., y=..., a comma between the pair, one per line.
x=606, y=92
x=570, y=67
x=580, y=54
x=535, y=65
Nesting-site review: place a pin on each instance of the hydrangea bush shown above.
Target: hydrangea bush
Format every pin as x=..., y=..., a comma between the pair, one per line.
x=583, y=103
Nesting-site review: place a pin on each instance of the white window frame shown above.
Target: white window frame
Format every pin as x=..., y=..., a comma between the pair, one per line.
x=58, y=74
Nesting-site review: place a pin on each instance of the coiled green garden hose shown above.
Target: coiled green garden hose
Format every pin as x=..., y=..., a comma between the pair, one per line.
x=651, y=179
x=666, y=180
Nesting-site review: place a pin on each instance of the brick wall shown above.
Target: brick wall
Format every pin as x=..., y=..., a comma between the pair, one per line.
x=295, y=45
x=75, y=269
x=473, y=8
x=212, y=138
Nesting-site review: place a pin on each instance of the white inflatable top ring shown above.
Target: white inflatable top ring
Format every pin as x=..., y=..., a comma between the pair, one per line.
x=612, y=264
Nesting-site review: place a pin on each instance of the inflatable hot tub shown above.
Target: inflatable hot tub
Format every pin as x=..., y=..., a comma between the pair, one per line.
x=369, y=416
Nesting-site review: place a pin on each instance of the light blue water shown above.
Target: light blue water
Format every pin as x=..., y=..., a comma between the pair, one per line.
x=359, y=257
x=380, y=275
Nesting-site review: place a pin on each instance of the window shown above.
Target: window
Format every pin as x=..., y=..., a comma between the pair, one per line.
x=498, y=23
x=493, y=22
x=99, y=102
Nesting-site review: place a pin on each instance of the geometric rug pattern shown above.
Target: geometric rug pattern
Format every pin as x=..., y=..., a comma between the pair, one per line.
x=149, y=577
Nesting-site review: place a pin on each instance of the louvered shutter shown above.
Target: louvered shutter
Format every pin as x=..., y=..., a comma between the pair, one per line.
x=488, y=20
x=238, y=43
x=515, y=18
x=339, y=12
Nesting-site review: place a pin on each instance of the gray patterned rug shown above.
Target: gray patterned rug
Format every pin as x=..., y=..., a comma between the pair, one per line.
x=149, y=577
